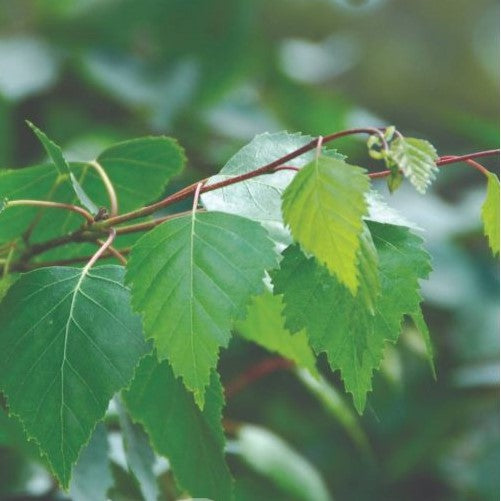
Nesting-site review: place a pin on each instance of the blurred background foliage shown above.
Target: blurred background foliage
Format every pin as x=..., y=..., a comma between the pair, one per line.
x=215, y=73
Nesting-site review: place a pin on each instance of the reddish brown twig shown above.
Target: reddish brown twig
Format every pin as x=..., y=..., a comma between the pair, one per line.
x=256, y=372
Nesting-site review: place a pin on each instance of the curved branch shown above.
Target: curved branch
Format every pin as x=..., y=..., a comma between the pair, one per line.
x=108, y=185
x=52, y=205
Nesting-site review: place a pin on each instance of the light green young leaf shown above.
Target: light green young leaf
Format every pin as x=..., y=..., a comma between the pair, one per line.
x=416, y=159
x=370, y=286
x=258, y=198
x=139, y=455
x=56, y=155
x=69, y=341
x=264, y=325
x=341, y=325
x=270, y=456
x=191, y=277
x=324, y=206
x=91, y=476
x=490, y=213
x=191, y=439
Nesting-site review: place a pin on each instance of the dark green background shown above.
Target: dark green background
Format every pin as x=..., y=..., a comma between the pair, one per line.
x=215, y=73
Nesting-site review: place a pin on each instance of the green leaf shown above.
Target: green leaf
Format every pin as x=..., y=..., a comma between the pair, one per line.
x=380, y=212
x=92, y=477
x=29, y=183
x=145, y=160
x=341, y=325
x=258, y=198
x=324, y=206
x=135, y=185
x=191, y=439
x=56, y=155
x=270, y=456
x=264, y=325
x=416, y=159
x=139, y=455
x=190, y=278
x=420, y=323
x=370, y=286
x=490, y=213
x=69, y=340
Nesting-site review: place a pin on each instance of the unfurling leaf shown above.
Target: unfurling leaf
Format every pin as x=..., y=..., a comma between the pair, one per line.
x=324, y=207
x=416, y=159
x=191, y=277
x=341, y=325
x=490, y=213
x=191, y=439
x=69, y=342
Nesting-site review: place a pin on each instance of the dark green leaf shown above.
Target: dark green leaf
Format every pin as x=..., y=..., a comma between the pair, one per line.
x=341, y=325
x=68, y=342
x=190, y=278
x=191, y=439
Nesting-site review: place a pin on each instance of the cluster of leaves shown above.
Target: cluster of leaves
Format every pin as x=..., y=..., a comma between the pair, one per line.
x=302, y=261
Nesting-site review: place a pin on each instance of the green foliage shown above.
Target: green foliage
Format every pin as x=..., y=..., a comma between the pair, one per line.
x=190, y=278
x=72, y=338
x=341, y=325
x=192, y=439
x=69, y=342
x=324, y=206
x=490, y=213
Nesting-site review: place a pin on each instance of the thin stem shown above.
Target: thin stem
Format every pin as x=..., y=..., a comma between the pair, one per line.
x=450, y=159
x=81, y=235
x=8, y=260
x=196, y=197
x=265, y=169
x=256, y=372
x=454, y=159
x=108, y=185
x=105, y=245
x=287, y=167
x=52, y=205
x=65, y=262
x=148, y=225
x=114, y=252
